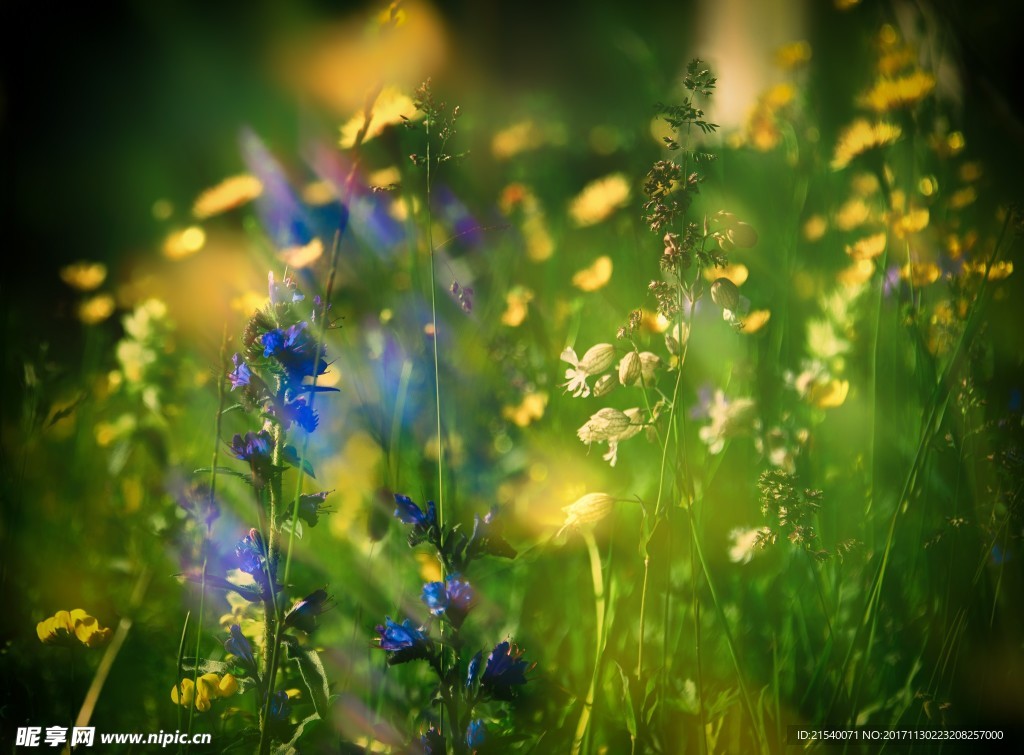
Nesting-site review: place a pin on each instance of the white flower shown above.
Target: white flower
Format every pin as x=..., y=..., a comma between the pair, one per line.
x=588, y=509
x=596, y=360
x=728, y=419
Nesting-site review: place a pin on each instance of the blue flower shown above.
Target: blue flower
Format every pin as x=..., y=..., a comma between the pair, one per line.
x=280, y=706
x=476, y=733
x=241, y=375
x=505, y=670
x=473, y=671
x=252, y=556
x=403, y=642
x=300, y=413
x=409, y=513
x=239, y=647
x=453, y=598
x=294, y=350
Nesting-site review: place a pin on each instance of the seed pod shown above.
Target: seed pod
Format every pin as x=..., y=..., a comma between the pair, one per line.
x=725, y=294
x=743, y=235
x=724, y=244
x=629, y=368
x=649, y=362
x=604, y=425
x=604, y=385
x=598, y=359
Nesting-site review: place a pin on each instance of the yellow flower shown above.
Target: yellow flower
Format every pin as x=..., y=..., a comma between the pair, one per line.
x=184, y=243
x=862, y=136
x=852, y=213
x=815, y=227
x=755, y=320
x=96, y=309
x=599, y=199
x=735, y=272
x=594, y=277
x=303, y=256
x=868, y=247
x=227, y=195
x=203, y=691
x=531, y=408
x=793, y=55
x=516, y=306
x=519, y=137
x=828, y=394
x=84, y=276
x=388, y=110
x=921, y=274
x=904, y=91
x=962, y=197
x=69, y=627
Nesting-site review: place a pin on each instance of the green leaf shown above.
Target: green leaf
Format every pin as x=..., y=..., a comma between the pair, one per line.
x=627, y=701
x=291, y=456
x=313, y=674
x=289, y=747
x=224, y=470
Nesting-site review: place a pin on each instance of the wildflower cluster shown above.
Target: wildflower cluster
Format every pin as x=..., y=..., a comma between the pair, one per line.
x=71, y=628
x=465, y=684
x=791, y=515
x=275, y=376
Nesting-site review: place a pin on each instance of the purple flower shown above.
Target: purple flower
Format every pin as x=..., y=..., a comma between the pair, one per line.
x=408, y=512
x=476, y=733
x=505, y=670
x=301, y=414
x=240, y=376
x=473, y=671
x=254, y=448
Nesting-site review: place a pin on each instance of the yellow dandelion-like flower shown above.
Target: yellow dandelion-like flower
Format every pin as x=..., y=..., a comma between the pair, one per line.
x=962, y=197
x=516, y=306
x=755, y=321
x=914, y=221
x=861, y=137
x=998, y=271
x=184, y=243
x=298, y=257
x=96, y=309
x=852, y=213
x=857, y=274
x=594, y=277
x=868, y=247
x=793, y=55
x=599, y=199
x=894, y=60
x=828, y=394
x=203, y=691
x=815, y=228
x=517, y=138
x=84, y=276
x=390, y=109
x=68, y=628
x=531, y=408
x=734, y=272
x=921, y=274
x=227, y=195
x=890, y=94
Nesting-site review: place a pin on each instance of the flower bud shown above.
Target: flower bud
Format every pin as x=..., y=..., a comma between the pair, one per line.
x=743, y=235
x=590, y=508
x=725, y=294
x=629, y=368
x=598, y=359
x=724, y=244
x=604, y=385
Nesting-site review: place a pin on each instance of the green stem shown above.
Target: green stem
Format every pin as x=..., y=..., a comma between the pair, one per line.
x=434, y=337
x=599, y=610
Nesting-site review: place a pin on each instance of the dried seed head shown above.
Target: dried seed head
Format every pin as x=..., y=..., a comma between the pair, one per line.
x=629, y=368
x=604, y=385
x=743, y=235
x=725, y=294
x=598, y=359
